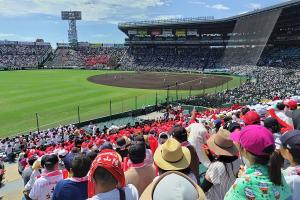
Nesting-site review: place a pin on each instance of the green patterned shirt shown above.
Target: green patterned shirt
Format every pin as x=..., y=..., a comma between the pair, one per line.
x=256, y=185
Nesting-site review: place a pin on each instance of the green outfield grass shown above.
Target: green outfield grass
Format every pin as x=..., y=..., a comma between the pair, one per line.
x=56, y=94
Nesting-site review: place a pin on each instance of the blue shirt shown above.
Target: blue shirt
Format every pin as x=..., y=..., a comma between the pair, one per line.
x=68, y=189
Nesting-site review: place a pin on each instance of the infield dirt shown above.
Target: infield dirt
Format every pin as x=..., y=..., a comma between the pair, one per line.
x=151, y=80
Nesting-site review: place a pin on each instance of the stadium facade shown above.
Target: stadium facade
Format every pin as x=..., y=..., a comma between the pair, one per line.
x=282, y=22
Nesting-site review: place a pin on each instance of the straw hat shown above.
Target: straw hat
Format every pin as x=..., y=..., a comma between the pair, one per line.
x=37, y=164
x=173, y=185
x=221, y=144
x=172, y=156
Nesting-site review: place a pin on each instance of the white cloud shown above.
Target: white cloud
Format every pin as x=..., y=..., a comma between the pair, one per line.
x=255, y=6
x=197, y=2
x=5, y=35
x=243, y=12
x=92, y=10
x=13, y=36
x=218, y=7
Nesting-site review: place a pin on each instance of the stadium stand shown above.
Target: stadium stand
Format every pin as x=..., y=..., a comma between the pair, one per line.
x=86, y=56
x=16, y=55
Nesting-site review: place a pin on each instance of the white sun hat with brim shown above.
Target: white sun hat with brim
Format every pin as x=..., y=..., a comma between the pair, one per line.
x=173, y=186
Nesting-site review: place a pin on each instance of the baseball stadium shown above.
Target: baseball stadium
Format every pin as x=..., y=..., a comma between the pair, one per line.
x=180, y=87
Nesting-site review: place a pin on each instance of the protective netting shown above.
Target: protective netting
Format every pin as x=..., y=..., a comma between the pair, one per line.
x=252, y=32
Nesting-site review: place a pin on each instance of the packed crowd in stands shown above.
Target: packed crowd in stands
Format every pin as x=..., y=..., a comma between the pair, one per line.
x=263, y=83
x=15, y=55
x=87, y=56
x=249, y=152
x=198, y=59
x=30, y=55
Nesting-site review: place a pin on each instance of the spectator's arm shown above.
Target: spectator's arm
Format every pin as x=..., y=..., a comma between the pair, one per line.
x=206, y=185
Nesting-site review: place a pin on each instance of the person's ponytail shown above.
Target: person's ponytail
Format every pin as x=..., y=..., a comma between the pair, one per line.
x=275, y=164
x=274, y=161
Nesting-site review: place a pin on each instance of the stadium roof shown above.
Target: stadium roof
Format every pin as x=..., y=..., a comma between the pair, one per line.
x=204, y=20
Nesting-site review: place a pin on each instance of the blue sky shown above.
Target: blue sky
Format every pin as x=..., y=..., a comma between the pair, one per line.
x=26, y=20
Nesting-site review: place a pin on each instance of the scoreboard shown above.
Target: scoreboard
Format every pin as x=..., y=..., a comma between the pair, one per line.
x=71, y=15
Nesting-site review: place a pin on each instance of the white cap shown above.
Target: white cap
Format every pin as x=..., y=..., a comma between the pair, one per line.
x=180, y=189
x=62, y=153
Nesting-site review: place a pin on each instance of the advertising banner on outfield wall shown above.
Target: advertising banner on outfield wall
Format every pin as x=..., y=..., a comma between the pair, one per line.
x=167, y=32
x=142, y=32
x=180, y=33
x=192, y=32
x=156, y=32
x=96, y=45
x=132, y=32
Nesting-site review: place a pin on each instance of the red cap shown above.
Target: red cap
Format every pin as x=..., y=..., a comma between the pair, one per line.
x=251, y=118
x=291, y=103
x=84, y=145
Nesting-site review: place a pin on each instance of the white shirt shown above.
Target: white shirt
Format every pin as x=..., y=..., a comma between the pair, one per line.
x=220, y=179
x=284, y=117
x=293, y=180
x=43, y=187
x=131, y=193
x=32, y=179
x=17, y=146
x=197, y=137
x=8, y=150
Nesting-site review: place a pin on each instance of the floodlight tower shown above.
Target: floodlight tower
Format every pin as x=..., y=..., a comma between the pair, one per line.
x=72, y=17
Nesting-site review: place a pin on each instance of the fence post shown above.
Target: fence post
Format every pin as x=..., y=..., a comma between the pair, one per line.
x=37, y=122
x=156, y=100
x=190, y=94
x=110, y=111
x=168, y=91
x=135, y=99
x=78, y=114
x=176, y=91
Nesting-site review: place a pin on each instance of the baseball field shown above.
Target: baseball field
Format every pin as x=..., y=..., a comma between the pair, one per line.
x=56, y=96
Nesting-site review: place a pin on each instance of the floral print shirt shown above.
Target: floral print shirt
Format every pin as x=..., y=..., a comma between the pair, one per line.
x=256, y=185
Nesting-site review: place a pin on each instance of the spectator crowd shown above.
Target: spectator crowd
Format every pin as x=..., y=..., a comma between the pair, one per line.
x=262, y=83
x=87, y=57
x=242, y=152
x=18, y=55
x=30, y=54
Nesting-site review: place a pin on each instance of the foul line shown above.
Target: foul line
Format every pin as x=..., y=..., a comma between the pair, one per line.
x=182, y=83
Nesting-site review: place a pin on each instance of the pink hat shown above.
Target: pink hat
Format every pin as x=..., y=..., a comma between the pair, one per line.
x=255, y=139
x=235, y=136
